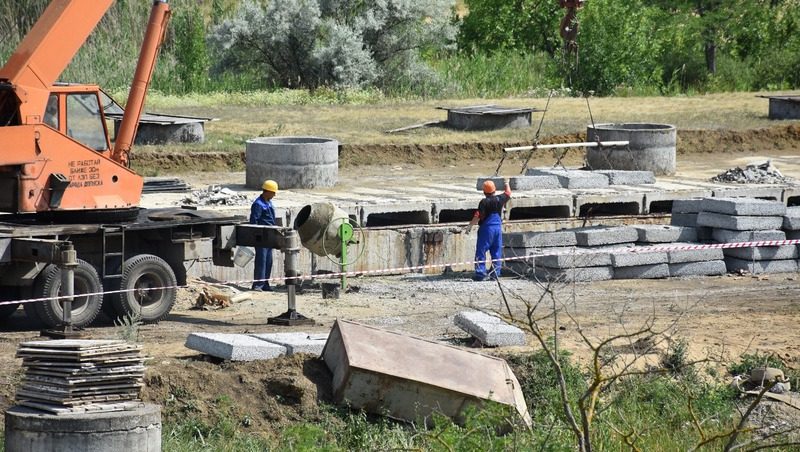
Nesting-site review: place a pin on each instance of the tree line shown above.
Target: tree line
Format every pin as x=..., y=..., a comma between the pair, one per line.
x=443, y=48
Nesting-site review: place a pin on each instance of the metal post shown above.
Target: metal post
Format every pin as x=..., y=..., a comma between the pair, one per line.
x=69, y=260
x=291, y=248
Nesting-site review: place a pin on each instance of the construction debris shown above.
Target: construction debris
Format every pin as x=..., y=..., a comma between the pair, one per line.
x=763, y=173
x=72, y=376
x=215, y=195
x=209, y=299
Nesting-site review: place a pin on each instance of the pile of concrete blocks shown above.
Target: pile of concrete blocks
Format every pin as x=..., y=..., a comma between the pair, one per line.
x=523, y=246
x=255, y=347
x=595, y=265
x=791, y=223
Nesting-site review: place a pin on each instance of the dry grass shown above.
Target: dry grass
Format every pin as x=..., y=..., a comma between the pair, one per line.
x=366, y=124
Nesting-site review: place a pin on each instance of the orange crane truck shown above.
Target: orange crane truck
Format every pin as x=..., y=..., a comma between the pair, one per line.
x=65, y=185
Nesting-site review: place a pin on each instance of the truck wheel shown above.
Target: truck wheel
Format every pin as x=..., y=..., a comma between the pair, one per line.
x=84, y=308
x=150, y=285
x=8, y=294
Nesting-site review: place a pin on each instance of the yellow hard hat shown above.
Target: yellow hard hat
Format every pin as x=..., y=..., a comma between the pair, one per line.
x=270, y=185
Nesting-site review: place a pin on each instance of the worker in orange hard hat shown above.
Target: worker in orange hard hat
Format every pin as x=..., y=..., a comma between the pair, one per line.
x=262, y=212
x=489, y=218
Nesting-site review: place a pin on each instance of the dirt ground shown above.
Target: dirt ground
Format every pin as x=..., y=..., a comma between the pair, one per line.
x=724, y=316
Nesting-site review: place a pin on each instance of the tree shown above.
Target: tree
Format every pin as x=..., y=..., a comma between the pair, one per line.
x=525, y=25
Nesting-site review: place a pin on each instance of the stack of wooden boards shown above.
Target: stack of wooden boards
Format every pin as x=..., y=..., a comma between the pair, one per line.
x=71, y=376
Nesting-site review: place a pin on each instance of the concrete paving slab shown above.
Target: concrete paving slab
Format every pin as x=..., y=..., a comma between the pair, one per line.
x=523, y=183
x=621, y=177
x=296, y=342
x=729, y=236
x=661, y=233
x=743, y=206
x=490, y=330
x=572, y=178
x=662, y=199
x=234, y=347
x=692, y=205
x=791, y=221
x=761, y=253
x=688, y=220
x=774, y=193
x=573, y=260
x=540, y=239
x=684, y=256
x=601, y=235
x=631, y=259
x=739, y=222
x=759, y=267
x=576, y=274
x=653, y=271
x=705, y=268
x=499, y=182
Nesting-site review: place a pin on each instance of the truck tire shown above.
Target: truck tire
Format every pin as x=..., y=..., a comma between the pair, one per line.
x=149, y=283
x=8, y=294
x=84, y=308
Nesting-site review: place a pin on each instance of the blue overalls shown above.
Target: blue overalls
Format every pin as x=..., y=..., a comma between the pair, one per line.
x=262, y=212
x=490, y=235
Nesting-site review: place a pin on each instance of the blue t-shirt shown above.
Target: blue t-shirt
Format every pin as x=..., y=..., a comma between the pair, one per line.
x=262, y=212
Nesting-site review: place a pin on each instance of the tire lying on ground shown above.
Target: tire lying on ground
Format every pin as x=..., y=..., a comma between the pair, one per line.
x=84, y=307
x=149, y=289
x=8, y=294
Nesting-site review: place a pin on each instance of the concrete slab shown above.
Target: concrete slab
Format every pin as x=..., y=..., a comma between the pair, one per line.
x=397, y=213
x=791, y=220
x=743, y=206
x=546, y=204
x=706, y=268
x=540, y=239
x=631, y=259
x=601, y=235
x=621, y=177
x=574, y=260
x=664, y=196
x=761, y=253
x=693, y=205
x=774, y=193
x=297, y=342
x=572, y=178
x=684, y=256
x=654, y=271
x=739, y=222
x=523, y=183
x=490, y=330
x=728, y=236
x=791, y=195
x=661, y=233
x=456, y=211
x=577, y=274
x=499, y=182
x=759, y=267
x=235, y=347
x=600, y=202
x=688, y=220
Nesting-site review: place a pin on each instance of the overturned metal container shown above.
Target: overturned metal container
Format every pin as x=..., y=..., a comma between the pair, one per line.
x=410, y=378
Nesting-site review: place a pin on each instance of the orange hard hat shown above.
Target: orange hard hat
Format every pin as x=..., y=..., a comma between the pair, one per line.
x=488, y=187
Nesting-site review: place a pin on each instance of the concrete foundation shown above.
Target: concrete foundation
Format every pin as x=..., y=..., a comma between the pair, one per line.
x=652, y=147
x=293, y=162
x=132, y=430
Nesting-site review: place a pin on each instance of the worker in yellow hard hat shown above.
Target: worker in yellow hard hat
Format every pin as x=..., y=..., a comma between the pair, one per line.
x=489, y=218
x=262, y=212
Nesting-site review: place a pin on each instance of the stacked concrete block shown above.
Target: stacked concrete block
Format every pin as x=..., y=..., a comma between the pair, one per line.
x=525, y=183
x=622, y=177
x=684, y=212
x=791, y=220
x=739, y=222
x=579, y=265
x=572, y=178
x=762, y=259
x=695, y=262
x=489, y=330
x=651, y=271
x=658, y=233
x=575, y=274
x=728, y=236
x=603, y=235
x=526, y=245
x=631, y=264
x=759, y=267
x=741, y=214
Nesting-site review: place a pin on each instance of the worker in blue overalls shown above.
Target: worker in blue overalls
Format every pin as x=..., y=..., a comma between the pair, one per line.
x=262, y=212
x=489, y=218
